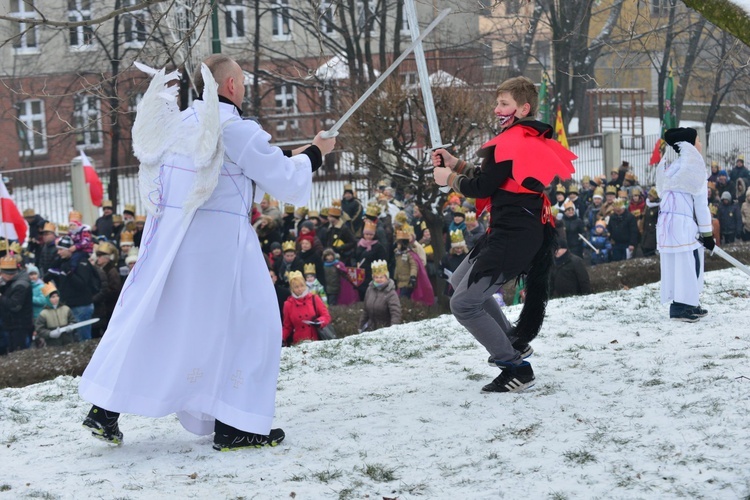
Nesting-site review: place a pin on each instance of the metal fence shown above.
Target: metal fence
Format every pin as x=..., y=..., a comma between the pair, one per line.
x=48, y=189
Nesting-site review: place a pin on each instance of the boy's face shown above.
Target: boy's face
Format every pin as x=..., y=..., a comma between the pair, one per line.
x=276, y=252
x=289, y=257
x=310, y=278
x=380, y=279
x=599, y=229
x=329, y=258
x=507, y=108
x=54, y=299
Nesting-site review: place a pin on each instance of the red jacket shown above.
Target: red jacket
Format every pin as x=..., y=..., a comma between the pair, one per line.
x=298, y=310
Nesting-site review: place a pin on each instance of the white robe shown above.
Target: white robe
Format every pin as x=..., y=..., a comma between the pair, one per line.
x=196, y=330
x=683, y=215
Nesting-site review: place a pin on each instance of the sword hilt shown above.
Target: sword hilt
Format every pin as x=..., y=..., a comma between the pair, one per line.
x=329, y=134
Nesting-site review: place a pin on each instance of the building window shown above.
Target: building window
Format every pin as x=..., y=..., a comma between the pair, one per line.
x=404, y=30
x=286, y=104
x=234, y=19
x=543, y=53
x=282, y=20
x=24, y=35
x=366, y=16
x=325, y=17
x=31, y=126
x=134, y=25
x=80, y=36
x=410, y=79
x=659, y=7
x=88, y=121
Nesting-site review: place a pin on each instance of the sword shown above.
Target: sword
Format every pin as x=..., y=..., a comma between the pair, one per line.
x=588, y=243
x=424, y=82
x=59, y=331
x=736, y=263
x=334, y=131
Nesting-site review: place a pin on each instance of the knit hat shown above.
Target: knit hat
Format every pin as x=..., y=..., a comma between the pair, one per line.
x=32, y=269
x=306, y=237
x=601, y=223
x=726, y=195
x=308, y=225
x=680, y=134
x=275, y=245
x=722, y=172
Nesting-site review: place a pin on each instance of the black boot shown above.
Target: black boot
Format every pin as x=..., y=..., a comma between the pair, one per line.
x=103, y=425
x=227, y=438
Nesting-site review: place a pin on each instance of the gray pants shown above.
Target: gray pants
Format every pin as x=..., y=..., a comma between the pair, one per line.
x=478, y=311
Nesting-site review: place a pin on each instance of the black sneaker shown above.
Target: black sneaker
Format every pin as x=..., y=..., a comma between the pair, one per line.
x=512, y=378
x=699, y=311
x=683, y=312
x=103, y=425
x=237, y=439
x=526, y=350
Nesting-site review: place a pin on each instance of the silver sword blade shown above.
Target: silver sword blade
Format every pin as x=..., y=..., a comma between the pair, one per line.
x=736, y=263
x=424, y=75
x=334, y=131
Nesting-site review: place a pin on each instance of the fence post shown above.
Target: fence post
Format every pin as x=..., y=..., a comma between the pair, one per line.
x=81, y=194
x=702, y=137
x=610, y=151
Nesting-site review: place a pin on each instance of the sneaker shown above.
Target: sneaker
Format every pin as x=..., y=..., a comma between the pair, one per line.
x=512, y=378
x=103, y=425
x=525, y=353
x=237, y=440
x=683, y=312
x=699, y=311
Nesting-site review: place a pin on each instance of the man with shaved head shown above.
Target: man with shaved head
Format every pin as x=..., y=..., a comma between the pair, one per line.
x=187, y=336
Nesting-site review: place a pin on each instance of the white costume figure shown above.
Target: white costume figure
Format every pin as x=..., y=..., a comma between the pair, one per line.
x=683, y=216
x=197, y=330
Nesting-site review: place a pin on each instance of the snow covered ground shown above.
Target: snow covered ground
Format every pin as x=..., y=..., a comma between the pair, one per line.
x=627, y=405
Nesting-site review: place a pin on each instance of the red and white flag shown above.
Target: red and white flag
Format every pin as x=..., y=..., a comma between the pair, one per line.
x=13, y=226
x=92, y=179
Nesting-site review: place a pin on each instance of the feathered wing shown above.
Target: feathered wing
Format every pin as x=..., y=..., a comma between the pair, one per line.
x=209, y=147
x=155, y=130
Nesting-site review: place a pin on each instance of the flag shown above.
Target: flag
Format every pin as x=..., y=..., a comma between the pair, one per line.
x=544, y=109
x=92, y=179
x=669, y=120
x=13, y=226
x=560, y=128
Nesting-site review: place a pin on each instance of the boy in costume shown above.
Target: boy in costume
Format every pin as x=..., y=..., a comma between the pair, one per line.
x=683, y=214
x=517, y=165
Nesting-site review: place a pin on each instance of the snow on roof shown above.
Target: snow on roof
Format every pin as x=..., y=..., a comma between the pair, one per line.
x=336, y=69
x=441, y=78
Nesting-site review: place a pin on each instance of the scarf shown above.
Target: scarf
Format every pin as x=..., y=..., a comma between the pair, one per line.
x=332, y=263
x=366, y=244
x=302, y=295
x=461, y=227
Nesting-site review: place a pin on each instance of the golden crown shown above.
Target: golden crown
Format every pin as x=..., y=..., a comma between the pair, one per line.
x=336, y=203
x=126, y=237
x=379, y=268
x=75, y=215
x=49, y=227
x=405, y=232
x=309, y=268
x=48, y=288
x=8, y=262
x=140, y=218
x=129, y=208
x=371, y=226
x=62, y=229
x=372, y=210
x=106, y=203
x=294, y=275
x=457, y=236
x=471, y=216
x=288, y=209
x=289, y=246
x=401, y=217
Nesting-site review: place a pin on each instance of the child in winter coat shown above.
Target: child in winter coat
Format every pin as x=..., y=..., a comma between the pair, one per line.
x=600, y=239
x=453, y=259
x=382, y=307
x=304, y=312
x=405, y=273
x=313, y=284
x=54, y=316
x=339, y=289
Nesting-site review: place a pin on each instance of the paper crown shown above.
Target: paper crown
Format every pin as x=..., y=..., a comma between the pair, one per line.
x=335, y=209
x=573, y=188
x=460, y=211
x=62, y=229
x=29, y=212
x=288, y=209
x=405, y=232
x=599, y=192
x=117, y=218
x=289, y=246
x=471, y=216
x=653, y=193
x=301, y=212
x=714, y=209
x=3, y=245
x=630, y=176
x=401, y=218
x=560, y=189
x=611, y=189
x=106, y=203
x=266, y=197
x=324, y=212
x=382, y=183
x=126, y=238
x=586, y=179
x=348, y=187
x=75, y=215
x=48, y=288
x=129, y=208
x=457, y=237
x=371, y=226
x=568, y=204
x=8, y=263
x=636, y=191
x=372, y=210
x=140, y=218
x=313, y=214
x=619, y=203
x=49, y=228
x=309, y=268
x=379, y=268
x=714, y=163
x=622, y=193
x=295, y=275
x=741, y=158
x=109, y=249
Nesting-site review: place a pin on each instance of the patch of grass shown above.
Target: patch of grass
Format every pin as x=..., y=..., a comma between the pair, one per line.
x=736, y=355
x=298, y=478
x=5, y=487
x=41, y=494
x=580, y=457
x=653, y=382
x=327, y=475
x=379, y=472
x=466, y=405
x=565, y=335
x=525, y=432
x=475, y=377
x=357, y=361
x=558, y=495
x=414, y=489
x=709, y=365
